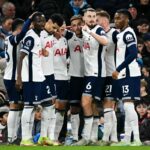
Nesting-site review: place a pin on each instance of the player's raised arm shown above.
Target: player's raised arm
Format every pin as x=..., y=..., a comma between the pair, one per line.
x=99, y=35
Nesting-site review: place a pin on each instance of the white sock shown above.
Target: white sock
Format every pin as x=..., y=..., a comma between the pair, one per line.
x=114, y=128
x=108, y=123
x=51, y=127
x=94, y=132
x=88, y=122
x=128, y=130
x=11, y=125
x=26, y=122
x=45, y=121
x=133, y=119
x=58, y=124
x=75, y=120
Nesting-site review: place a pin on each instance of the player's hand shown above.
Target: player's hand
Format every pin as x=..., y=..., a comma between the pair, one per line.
x=30, y=17
x=45, y=53
x=115, y=75
x=86, y=29
x=18, y=84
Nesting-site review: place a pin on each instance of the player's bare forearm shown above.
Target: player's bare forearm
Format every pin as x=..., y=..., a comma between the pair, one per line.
x=101, y=39
x=19, y=69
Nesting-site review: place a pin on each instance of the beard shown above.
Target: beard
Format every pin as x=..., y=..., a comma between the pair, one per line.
x=91, y=25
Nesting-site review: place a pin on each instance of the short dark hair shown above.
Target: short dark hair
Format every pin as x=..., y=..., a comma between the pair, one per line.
x=125, y=12
x=17, y=22
x=89, y=9
x=5, y=19
x=36, y=15
x=57, y=18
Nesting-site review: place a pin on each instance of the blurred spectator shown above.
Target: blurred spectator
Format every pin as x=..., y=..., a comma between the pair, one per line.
x=47, y=7
x=8, y=10
x=3, y=123
x=146, y=76
x=143, y=26
x=132, y=8
x=143, y=92
x=144, y=9
x=75, y=7
x=144, y=121
x=1, y=3
x=140, y=45
x=5, y=29
x=23, y=9
x=37, y=124
x=146, y=128
x=146, y=50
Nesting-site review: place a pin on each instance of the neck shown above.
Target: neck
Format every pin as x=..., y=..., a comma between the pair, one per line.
x=107, y=28
x=37, y=31
x=124, y=27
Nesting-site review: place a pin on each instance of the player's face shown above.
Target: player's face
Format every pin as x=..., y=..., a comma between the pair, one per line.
x=51, y=27
x=39, y=23
x=120, y=20
x=90, y=18
x=19, y=28
x=101, y=21
x=76, y=26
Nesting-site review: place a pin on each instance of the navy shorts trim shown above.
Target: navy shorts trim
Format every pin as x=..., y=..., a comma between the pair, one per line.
x=127, y=88
x=51, y=82
x=32, y=93
x=108, y=94
x=62, y=89
x=99, y=88
x=46, y=92
x=13, y=95
x=76, y=89
x=89, y=86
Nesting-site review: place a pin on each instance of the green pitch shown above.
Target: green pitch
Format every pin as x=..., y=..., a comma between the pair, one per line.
x=72, y=148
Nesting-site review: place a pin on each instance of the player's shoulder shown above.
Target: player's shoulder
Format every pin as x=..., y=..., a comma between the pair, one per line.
x=99, y=30
x=129, y=35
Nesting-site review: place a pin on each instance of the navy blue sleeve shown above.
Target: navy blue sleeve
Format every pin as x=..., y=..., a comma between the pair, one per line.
x=114, y=36
x=100, y=31
x=27, y=45
x=131, y=50
x=132, y=54
x=68, y=35
x=14, y=40
x=2, y=54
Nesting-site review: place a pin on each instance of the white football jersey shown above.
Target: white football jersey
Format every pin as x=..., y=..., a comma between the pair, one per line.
x=12, y=53
x=76, y=66
x=32, y=68
x=125, y=39
x=110, y=52
x=60, y=58
x=47, y=62
x=94, y=52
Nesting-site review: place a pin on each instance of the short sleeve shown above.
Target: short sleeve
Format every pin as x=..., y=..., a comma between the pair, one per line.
x=129, y=39
x=114, y=36
x=28, y=44
x=100, y=31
